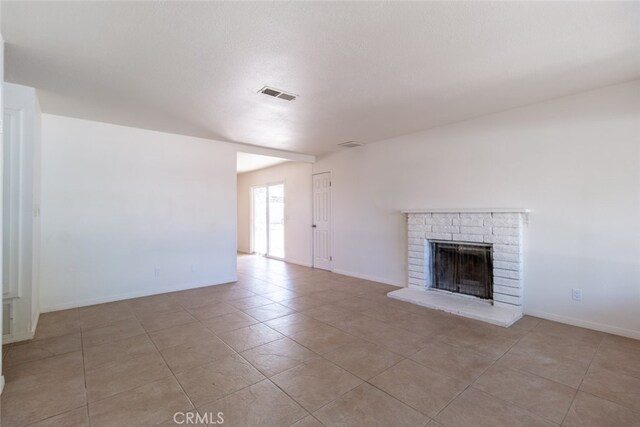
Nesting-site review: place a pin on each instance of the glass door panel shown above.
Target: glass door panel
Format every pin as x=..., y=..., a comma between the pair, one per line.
x=259, y=220
x=276, y=221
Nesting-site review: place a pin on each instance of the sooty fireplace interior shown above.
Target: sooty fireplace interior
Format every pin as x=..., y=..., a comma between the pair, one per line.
x=462, y=268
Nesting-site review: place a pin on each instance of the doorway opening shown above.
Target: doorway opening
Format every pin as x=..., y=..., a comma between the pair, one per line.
x=267, y=220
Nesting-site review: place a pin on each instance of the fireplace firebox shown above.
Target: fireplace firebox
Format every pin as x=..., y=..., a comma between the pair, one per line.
x=462, y=268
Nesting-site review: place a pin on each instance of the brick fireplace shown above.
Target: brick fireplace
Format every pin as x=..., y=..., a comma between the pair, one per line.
x=500, y=231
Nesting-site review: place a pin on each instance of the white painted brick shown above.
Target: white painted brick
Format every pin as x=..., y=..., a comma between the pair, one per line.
x=508, y=274
x=438, y=221
x=438, y=236
x=416, y=219
x=504, y=240
x=506, y=231
x=510, y=249
x=503, y=281
x=417, y=254
x=416, y=234
x=470, y=221
x=414, y=248
x=417, y=275
x=475, y=238
x=414, y=281
x=506, y=265
x=482, y=215
x=418, y=268
x=445, y=229
x=504, y=256
x=472, y=230
x=416, y=261
x=506, y=215
x=445, y=215
x=505, y=305
x=503, y=222
x=419, y=228
x=416, y=241
x=505, y=290
x=509, y=299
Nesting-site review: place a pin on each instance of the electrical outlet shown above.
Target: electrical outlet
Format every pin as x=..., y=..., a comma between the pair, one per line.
x=193, y=268
x=576, y=294
x=156, y=272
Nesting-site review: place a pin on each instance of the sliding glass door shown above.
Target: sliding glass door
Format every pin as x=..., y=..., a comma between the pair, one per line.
x=259, y=220
x=275, y=237
x=267, y=217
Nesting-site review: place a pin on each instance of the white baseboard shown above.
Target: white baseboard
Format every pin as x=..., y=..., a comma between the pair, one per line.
x=18, y=337
x=23, y=336
x=629, y=333
x=368, y=277
x=298, y=262
x=34, y=324
x=137, y=294
x=286, y=259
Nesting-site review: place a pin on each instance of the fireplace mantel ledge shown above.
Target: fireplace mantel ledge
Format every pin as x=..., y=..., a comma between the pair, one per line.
x=466, y=210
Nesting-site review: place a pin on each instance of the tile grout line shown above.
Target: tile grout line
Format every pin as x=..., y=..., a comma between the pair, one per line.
x=581, y=381
x=323, y=357
x=86, y=405
x=275, y=384
x=470, y=385
x=408, y=357
x=146, y=333
x=84, y=370
x=346, y=370
x=235, y=352
x=532, y=373
x=171, y=370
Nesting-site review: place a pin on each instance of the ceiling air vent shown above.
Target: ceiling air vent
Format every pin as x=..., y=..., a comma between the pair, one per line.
x=350, y=144
x=277, y=93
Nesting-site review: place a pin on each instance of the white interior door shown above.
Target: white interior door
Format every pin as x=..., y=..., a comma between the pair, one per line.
x=322, y=221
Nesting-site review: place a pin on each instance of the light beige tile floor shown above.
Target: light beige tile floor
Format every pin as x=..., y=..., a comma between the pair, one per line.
x=292, y=346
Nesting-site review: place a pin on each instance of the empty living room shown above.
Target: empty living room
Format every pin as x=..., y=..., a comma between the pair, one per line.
x=307, y=214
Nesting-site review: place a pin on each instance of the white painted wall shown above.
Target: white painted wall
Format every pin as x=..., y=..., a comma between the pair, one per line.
x=297, y=208
x=119, y=203
x=575, y=162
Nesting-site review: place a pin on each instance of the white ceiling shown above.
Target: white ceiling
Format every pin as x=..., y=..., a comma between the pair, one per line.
x=248, y=162
x=364, y=71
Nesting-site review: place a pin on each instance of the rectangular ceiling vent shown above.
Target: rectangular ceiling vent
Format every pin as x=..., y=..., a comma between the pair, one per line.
x=277, y=93
x=350, y=144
